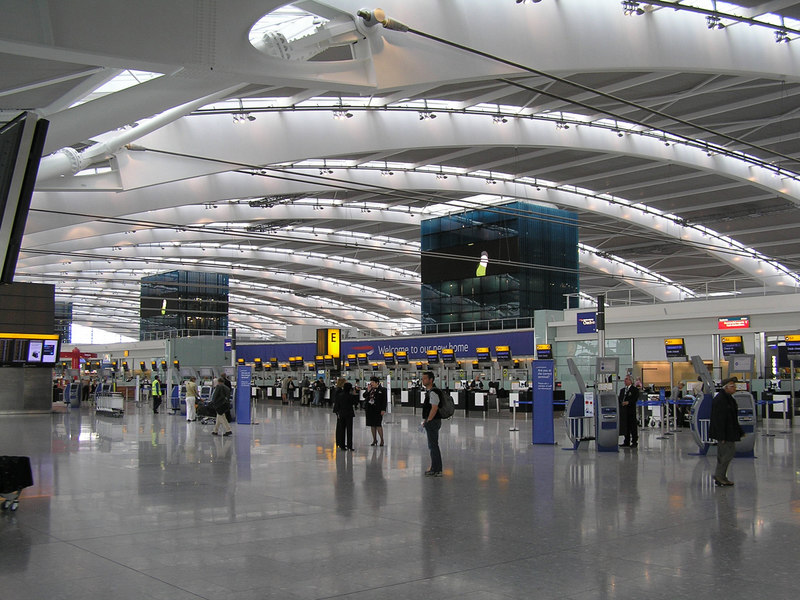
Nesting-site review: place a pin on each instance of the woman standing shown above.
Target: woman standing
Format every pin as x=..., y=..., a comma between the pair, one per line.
x=343, y=404
x=375, y=407
x=191, y=399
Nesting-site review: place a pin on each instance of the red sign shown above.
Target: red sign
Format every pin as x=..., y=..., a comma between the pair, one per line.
x=733, y=323
x=76, y=355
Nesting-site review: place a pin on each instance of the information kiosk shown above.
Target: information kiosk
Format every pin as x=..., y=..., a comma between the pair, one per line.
x=593, y=414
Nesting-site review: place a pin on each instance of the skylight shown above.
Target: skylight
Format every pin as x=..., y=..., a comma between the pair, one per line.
x=294, y=23
x=124, y=80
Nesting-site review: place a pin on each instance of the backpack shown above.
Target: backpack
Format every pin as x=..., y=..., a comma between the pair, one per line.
x=446, y=406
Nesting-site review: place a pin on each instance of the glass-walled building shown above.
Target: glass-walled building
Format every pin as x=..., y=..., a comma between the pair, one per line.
x=492, y=268
x=189, y=303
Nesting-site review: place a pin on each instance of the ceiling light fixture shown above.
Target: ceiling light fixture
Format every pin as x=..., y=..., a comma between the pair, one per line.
x=630, y=7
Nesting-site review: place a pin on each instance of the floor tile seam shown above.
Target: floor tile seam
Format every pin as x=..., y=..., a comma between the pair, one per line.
x=444, y=574
x=137, y=572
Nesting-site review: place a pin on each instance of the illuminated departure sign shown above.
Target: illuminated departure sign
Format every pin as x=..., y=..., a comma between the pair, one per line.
x=544, y=351
x=724, y=323
x=483, y=355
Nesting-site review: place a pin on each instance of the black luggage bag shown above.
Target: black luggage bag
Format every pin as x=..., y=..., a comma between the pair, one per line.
x=15, y=475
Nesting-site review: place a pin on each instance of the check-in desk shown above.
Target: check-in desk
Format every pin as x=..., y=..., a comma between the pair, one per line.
x=410, y=398
x=523, y=399
x=477, y=401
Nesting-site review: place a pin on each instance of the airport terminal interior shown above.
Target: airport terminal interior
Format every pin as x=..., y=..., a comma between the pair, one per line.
x=418, y=168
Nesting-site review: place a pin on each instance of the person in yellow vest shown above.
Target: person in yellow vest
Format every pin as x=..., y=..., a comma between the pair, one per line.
x=155, y=391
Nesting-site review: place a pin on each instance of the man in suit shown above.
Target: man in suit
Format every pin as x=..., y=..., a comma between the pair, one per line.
x=628, y=426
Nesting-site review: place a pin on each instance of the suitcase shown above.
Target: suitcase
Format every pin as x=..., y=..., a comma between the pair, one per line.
x=15, y=475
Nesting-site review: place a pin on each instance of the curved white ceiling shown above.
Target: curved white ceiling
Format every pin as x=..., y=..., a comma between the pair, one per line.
x=699, y=196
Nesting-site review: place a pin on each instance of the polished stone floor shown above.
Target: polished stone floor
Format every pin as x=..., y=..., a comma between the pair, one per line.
x=150, y=506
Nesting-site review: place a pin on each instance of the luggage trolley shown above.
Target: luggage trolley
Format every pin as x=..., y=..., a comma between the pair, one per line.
x=15, y=476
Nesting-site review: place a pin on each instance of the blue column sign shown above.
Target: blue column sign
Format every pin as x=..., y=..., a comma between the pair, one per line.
x=543, y=402
x=244, y=377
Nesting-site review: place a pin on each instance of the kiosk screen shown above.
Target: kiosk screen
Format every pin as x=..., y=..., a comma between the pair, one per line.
x=448, y=356
x=402, y=357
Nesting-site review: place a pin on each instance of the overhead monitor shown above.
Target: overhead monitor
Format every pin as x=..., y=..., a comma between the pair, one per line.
x=675, y=349
x=792, y=347
x=448, y=356
x=544, y=352
x=419, y=366
x=402, y=357
x=502, y=353
x=483, y=354
x=432, y=356
x=388, y=359
x=21, y=143
x=363, y=360
x=732, y=344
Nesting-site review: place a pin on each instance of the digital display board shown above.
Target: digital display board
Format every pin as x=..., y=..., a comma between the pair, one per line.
x=732, y=344
x=388, y=359
x=478, y=259
x=362, y=359
x=483, y=354
x=402, y=357
x=544, y=351
x=432, y=356
x=792, y=346
x=503, y=353
x=28, y=350
x=448, y=356
x=725, y=323
x=675, y=348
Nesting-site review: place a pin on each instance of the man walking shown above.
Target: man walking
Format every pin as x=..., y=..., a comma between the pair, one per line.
x=724, y=427
x=627, y=414
x=432, y=422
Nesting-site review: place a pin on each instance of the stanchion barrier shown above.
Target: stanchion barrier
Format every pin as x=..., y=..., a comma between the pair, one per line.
x=514, y=403
x=766, y=414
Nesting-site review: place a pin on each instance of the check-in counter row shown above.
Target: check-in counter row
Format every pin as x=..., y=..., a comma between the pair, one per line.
x=478, y=401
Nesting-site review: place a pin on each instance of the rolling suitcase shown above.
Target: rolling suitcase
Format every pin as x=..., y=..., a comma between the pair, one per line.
x=15, y=475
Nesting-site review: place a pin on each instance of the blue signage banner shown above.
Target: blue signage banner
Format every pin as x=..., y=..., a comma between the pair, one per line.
x=587, y=322
x=244, y=377
x=227, y=344
x=542, y=377
x=521, y=343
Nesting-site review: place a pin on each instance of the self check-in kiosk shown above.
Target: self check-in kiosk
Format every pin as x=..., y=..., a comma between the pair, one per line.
x=701, y=415
x=592, y=414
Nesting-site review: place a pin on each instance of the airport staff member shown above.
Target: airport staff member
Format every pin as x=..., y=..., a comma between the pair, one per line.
x=155, y=391
x=628, y=426
x=725, y=428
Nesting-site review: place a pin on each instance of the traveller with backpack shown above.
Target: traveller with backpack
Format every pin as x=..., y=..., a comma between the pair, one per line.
x=432, y=422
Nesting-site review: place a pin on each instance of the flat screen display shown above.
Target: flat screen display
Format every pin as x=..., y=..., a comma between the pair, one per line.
x=732, y=344
x=544, y=352
x=448, y=356
x=388, y=359
x=362, y=359
x=483, y=354
x=33, y=350
x=402, y=357
x=675, y=348
x=433, y=357
x=502, y=353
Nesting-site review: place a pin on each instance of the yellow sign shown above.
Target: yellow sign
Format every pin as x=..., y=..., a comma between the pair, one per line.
x=482, y=350
x=791, y=338
x=334, y=340
x=544, y=346
x=731, y=339
x=673, y=342
x=29, y=336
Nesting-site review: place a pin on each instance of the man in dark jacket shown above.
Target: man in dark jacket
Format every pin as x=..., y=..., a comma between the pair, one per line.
x=628, y=427
x=432, y=422
x=220, y=402
x=725, y=428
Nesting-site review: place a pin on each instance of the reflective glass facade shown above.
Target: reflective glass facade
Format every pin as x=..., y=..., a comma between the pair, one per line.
x=191, y=303
x=497, y=265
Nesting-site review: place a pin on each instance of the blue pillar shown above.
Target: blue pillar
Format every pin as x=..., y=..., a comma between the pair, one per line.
x=543, y=402
x=244, y=376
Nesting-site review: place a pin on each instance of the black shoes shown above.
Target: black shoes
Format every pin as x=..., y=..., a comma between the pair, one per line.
x=432, y=473
x=227, y=433
x=214, y=433
x=722, y=482
x=375, y=444
x=624, y=445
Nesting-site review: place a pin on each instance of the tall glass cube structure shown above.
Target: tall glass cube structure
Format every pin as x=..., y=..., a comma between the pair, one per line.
x=191, y=303
x=492, y=268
